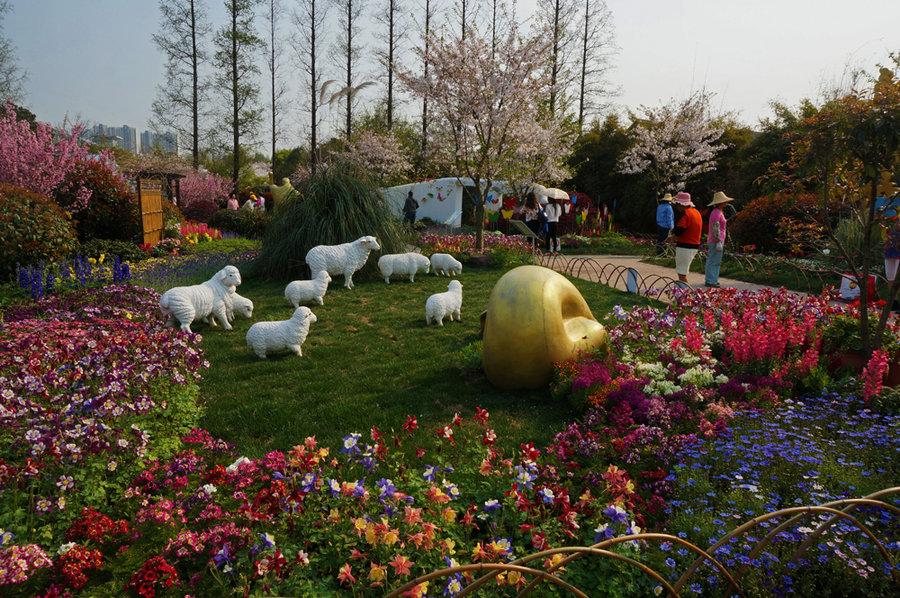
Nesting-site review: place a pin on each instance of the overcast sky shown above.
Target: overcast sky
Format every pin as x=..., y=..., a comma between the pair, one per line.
x=94, y=60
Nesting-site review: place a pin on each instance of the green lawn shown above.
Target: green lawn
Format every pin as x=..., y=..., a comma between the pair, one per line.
x=369, y=360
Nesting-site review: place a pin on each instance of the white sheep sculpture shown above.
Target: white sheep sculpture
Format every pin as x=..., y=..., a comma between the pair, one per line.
x=301, y=291
x=446, y=264
x=238, y=304
x=441, y=305
x=269, y=337
x=345, y=258
x=402, y=264
x=199, y=301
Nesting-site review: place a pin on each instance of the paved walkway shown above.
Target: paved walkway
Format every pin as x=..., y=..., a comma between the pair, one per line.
x=612, y=270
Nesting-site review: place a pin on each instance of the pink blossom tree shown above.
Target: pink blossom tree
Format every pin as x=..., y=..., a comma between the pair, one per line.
x=204, y=186
x=40, y=159
x=381, y=155
x=674, y=143
x=484, y=100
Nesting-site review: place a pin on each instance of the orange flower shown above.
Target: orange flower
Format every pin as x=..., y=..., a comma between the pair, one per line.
x=401, y=565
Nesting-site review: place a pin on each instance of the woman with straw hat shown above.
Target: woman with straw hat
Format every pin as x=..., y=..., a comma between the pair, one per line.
x=716, y=239
x=688, y=231
x=665, y=222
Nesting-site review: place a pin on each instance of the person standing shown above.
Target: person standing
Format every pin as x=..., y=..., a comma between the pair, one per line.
x=531, y=213
x=409, y=210
x=716, y=238
x=665, y=222
x=232, y=201
x=688, y=230
x=553, y=211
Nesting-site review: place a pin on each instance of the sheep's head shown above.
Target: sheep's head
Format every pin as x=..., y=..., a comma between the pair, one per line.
x=304, y=313
x=244, y=307
x=455, y=285
x=369, y=243
x=323, y=275
x=230, y=276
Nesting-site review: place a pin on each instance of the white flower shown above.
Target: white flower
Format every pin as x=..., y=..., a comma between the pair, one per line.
x=233, y=467
x=65, y=548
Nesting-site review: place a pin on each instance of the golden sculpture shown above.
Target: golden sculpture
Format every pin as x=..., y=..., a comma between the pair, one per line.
x=535, y=317
x=281, y=192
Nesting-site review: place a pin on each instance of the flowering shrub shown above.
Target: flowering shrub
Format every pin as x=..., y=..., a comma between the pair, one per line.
x=210, y=187
x=462, y=246
x=39, y=159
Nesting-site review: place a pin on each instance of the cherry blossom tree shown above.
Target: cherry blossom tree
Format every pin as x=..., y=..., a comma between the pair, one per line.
x=39, y=159
x=485, y=107
x=674, y=143
x=381, y=155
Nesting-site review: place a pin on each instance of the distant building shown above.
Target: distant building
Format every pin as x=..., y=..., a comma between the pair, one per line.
x=169, y=143
x=124, y=137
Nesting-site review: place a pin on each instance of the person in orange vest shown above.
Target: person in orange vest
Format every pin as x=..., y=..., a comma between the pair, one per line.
x=687, y=232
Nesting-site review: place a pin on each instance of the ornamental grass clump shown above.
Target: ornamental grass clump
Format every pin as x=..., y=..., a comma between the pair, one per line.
x=338, y=204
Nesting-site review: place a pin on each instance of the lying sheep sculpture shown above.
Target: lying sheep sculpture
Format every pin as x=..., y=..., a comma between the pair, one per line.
x=446, y=264
x=199, y=301
x=301, y=291
x=345, y=258
x=269, y=337
x=441, y=305
x=402, y=264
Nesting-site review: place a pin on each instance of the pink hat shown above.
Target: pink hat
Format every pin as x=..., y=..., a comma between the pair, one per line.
x=683, y=199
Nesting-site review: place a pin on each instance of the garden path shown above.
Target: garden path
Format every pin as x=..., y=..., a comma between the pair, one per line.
x=600, y=268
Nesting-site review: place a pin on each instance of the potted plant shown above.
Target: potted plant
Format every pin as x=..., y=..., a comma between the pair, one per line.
x=842, y=344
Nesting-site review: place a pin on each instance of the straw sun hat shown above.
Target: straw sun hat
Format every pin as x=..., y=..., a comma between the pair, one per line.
x=719, y=198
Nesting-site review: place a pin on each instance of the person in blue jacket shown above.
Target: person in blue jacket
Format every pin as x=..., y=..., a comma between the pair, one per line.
x=665, y=222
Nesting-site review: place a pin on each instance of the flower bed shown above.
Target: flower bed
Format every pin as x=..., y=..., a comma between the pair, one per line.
x=106, y=487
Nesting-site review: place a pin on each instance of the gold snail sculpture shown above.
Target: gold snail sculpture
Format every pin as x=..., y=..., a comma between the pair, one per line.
x=535, y=317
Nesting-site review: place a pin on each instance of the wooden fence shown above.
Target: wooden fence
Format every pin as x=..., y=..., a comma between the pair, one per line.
x=150, y=200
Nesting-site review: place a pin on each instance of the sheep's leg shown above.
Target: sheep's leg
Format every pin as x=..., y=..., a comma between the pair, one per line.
x=387, y=279
x=319, y=300
x=412, y=277
x=456, y=313
x=296, y=349
x=219, y=313
x=348, y=279
x=186, y=327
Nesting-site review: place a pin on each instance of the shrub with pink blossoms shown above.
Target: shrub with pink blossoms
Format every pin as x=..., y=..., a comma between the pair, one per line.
x=40, y=159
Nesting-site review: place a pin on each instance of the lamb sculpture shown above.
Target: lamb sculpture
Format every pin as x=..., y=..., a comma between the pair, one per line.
x=199, y=301
x=403, y=264
x=345, y=258
x=446, y=264
x=238, y=304
x=300, y=291
x=440, y=305
x=268, y=337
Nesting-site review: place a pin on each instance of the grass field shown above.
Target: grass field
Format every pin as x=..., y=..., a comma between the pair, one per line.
x=369, y=360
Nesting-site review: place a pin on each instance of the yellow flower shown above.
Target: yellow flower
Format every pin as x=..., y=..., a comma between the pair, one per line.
x=102, y=255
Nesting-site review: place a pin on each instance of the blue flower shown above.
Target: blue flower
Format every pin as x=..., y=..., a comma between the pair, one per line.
x=351, y=443
x=386, y=489
x=491, y=505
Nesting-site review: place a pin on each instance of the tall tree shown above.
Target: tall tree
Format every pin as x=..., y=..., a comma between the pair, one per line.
x=556, y=18
x=183, y=30
x=429, y=12
x=597, y=45
x=236, y=73
x=309, y=22
x=12, y=77
x=485, y=109
x=673, y=143
x=273, y=14
x=391, y=17
x=347, y=57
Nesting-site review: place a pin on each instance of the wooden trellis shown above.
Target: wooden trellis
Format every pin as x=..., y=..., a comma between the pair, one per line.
x=150, y=201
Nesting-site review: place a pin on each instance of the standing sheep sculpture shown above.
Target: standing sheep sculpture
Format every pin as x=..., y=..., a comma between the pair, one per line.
x=300, y=291
x=446, y=264
x=403, y=264
x=345, y=258
x=269, y=337
x=441, y=305
x=199, y=301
